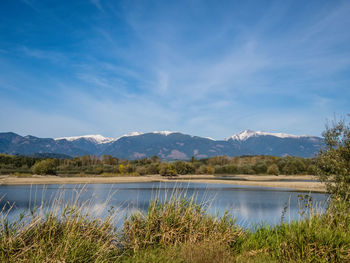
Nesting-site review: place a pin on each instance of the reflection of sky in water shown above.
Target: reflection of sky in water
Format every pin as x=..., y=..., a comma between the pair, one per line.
x=248, y=204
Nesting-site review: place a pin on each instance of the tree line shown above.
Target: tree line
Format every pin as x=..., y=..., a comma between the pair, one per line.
x=106, y=164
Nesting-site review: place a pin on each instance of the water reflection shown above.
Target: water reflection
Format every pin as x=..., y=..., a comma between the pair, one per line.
x=248, y=204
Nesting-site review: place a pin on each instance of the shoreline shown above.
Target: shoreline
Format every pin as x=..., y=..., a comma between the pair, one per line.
x=302, y=183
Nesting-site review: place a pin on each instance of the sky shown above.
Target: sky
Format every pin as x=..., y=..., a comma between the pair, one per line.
x=205, y=68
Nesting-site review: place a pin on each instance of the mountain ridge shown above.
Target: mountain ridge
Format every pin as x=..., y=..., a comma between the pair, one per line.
x=167, y=145
x=238, y=136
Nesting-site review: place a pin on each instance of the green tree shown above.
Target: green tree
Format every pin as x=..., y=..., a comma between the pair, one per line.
x=98, y=170
x=299, y=165
x=260, y=167
x=182, y=167
x=141, y=170
x=273, y=169
x=125, y=168
x=333, y=162
x=210, y=169
x=166, y=169
x=45, y=167
x=153, y=168
x=311, y=169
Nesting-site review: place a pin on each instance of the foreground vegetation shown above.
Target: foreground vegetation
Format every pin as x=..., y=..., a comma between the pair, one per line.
x=175, y=231
x=111, y=166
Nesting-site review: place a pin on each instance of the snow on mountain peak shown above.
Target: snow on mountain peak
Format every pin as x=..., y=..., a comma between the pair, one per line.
x=242, y=136
x=249, y=133
x=166, y=133
x=135, y=133
x=97, y=138
x=130, y=134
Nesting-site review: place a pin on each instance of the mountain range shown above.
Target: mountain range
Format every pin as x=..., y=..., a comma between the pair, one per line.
x=165, y=144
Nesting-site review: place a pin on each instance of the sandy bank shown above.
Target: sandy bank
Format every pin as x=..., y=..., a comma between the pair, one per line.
x=298, y=183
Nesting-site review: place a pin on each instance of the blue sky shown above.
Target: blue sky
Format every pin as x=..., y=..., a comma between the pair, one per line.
x=207, y=68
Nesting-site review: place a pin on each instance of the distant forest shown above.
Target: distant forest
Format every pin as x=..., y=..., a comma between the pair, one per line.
x=111, y=166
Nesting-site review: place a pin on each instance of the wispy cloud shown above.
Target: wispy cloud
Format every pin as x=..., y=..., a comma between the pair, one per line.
x=55, y=57
x=97, y=4
x=208, y=69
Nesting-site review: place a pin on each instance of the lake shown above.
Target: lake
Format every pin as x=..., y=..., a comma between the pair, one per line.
x=250, y=205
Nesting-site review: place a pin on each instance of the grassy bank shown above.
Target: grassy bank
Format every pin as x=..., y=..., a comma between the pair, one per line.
x=175, y=231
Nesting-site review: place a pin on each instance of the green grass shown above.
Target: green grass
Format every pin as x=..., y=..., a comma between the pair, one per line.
x=178, y=230
x=177, y=222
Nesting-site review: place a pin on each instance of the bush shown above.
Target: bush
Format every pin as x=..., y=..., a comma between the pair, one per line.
x=311, y=169
x=45, y=167
x=202, y=169
x=166, y=169
x=153, y=168
x=98, y=170
x=260, y=167
x=210, y=169
x=141, y=170
x=125, y=168
x=226, y=169
x=289, y=169
x=246, y=169
x=273, y=169
x=183, y=167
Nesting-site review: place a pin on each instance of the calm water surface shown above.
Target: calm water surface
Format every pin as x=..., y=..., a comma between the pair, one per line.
x=248, y=204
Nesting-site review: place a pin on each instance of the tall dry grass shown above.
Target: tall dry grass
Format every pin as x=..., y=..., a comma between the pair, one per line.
x=176, y=222
x=58, y=231
x=175, y=230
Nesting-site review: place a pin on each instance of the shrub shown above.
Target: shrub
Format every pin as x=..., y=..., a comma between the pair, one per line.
x=183, y=167
x=206, y=169
x=45, y=167
x=210, y=169
x=226, y=169
x=98, y=170
x=289, y=169
x=153, y=168
x=141, y=170
x=246, y=169
x=311, y=169
x=260, y=167
x=273, y=169
x=125, y=168
x=166, y=169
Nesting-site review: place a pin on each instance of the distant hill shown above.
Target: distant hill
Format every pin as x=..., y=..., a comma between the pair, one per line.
x=167, y=145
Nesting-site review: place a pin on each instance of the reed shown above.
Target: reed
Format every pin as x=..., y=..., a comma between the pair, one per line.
x=174, y=230
x=57, y=232
x=176, y=222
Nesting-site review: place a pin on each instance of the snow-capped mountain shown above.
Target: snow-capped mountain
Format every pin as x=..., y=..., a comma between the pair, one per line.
x=93, y=138
x=244, y=135
x=99, y=139
x=279, y=144
x=165, y=144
